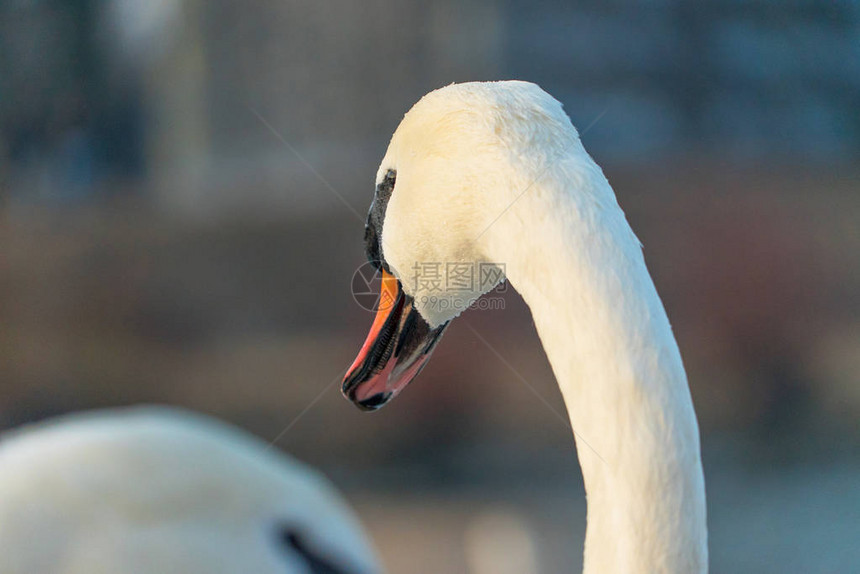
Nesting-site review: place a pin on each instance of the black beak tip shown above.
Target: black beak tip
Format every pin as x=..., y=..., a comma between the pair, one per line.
x=373, y=402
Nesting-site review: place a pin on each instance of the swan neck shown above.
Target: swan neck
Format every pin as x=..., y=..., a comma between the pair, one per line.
x=618, y=367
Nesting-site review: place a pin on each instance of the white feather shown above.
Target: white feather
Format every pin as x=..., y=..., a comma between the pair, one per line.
x=495, y=172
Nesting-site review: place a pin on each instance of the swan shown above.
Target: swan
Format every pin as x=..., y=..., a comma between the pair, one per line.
x=154, y=490
x=494, y=175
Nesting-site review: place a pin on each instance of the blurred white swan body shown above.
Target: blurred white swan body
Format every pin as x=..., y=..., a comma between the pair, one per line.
x=496, y=173
x=161, y=491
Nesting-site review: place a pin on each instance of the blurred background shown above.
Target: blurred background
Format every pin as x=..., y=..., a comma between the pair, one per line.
x=182, y=192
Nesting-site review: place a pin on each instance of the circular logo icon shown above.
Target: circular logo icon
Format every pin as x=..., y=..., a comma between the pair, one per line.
x=367, y=287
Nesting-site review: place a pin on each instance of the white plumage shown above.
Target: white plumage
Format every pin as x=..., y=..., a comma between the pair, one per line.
x=496, y=173
x=162, y=491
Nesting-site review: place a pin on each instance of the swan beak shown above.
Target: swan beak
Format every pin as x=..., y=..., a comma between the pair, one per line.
x=397, y=348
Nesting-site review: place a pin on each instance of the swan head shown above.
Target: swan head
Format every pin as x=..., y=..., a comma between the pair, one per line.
x=456, y=163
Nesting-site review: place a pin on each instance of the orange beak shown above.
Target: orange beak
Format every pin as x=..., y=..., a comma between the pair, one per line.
x=398, y=346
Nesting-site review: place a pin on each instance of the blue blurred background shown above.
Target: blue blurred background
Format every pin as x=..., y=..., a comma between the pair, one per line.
x=182, y=190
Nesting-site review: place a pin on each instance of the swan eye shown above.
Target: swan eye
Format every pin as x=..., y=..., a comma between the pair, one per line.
x=294, y=541
x=375, y=218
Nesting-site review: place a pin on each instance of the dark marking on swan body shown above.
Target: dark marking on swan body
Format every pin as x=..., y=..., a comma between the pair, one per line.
x=319, y=565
